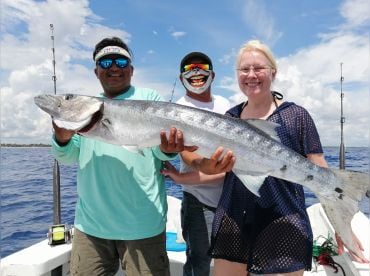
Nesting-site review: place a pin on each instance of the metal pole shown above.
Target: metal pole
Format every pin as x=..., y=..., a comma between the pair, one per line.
x=342, y=157
x=56, y=172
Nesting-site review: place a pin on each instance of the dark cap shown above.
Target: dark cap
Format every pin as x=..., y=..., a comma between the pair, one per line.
x=195, y=55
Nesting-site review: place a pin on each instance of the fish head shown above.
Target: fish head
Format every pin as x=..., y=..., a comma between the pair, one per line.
x=70, y=111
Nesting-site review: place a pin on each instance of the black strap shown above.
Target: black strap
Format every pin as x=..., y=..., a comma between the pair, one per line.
x=277, y=95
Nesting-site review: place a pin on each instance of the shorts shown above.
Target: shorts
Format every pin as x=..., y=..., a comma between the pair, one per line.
x=96, y=256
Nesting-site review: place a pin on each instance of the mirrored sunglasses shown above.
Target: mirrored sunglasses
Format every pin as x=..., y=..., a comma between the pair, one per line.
x=107, y=63
x=189, y=67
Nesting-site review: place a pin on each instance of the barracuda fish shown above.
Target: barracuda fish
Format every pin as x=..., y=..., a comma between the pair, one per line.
x=136, y=124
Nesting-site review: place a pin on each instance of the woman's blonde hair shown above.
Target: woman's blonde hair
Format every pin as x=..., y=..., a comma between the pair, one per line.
x=256, y=45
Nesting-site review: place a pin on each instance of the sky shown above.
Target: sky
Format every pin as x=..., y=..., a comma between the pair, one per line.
x=313, y=41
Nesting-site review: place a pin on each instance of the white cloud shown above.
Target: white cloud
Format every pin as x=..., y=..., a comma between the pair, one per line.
x=229, y=57
x=322, y=61
x=26, y=38
x=357, y=12
x=311, y=77
x=14, y=12
x=178, y=34
x=260, y=21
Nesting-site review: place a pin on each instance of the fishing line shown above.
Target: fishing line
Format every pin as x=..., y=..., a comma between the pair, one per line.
x=173, y=90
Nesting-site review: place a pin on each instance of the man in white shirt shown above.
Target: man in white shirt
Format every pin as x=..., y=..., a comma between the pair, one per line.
x=199, y=200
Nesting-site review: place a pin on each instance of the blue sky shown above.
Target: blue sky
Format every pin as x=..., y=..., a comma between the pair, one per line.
x=309, y=39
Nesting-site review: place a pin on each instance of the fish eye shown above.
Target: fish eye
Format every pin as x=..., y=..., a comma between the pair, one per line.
x=106, y=121
x=69, y=97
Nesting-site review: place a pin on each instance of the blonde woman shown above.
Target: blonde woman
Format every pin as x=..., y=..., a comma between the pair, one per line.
x=270, y=234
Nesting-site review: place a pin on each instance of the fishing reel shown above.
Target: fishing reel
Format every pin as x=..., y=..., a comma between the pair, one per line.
x=59, y=234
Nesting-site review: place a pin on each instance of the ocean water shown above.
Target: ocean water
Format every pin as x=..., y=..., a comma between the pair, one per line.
x=27, y=199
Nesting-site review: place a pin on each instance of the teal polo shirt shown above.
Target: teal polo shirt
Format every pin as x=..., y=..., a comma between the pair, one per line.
x=121, y=195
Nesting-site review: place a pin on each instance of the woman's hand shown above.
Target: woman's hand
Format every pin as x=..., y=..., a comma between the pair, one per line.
x=353, y=255
x=216, y=163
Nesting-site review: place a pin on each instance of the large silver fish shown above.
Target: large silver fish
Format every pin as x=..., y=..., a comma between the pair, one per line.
x=137, y=124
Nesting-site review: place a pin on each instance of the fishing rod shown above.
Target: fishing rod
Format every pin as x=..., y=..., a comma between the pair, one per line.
x=58, y=233
x=342, y=152
x=342, y=157
x=56, y=171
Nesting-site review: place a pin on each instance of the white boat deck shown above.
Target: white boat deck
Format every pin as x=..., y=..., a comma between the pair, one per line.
x=322, y=227
x=38, y=259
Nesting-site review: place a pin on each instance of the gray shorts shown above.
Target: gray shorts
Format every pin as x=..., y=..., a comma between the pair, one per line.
x=96, y=256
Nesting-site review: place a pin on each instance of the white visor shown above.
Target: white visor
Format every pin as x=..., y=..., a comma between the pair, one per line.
x=112, y=50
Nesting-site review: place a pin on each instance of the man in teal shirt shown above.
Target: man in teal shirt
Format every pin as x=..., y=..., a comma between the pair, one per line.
x=121, y=207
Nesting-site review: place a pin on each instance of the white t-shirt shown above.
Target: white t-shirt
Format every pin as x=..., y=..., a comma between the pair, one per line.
x=208, y=194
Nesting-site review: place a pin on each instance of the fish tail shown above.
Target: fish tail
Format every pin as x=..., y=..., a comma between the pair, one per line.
x=356, y=184
x=340, y=211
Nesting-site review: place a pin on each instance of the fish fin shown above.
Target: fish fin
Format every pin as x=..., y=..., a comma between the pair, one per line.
x=134, y=149
x=252, y=182
x=267, y=127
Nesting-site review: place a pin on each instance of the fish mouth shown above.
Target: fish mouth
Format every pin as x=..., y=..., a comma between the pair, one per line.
x=96, y=117
x=198, y=80
x=72, y=112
